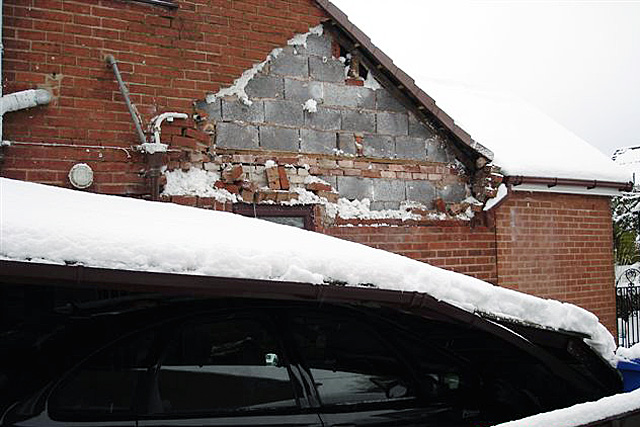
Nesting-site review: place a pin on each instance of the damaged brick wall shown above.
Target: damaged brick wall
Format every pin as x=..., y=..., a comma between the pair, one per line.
x=558, y=246
x=305, y=108
x=168, y=58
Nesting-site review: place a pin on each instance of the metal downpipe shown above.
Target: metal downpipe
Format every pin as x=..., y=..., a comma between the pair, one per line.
x=111, y=61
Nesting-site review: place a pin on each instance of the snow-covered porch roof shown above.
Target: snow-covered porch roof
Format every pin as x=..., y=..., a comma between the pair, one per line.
x=50, y=225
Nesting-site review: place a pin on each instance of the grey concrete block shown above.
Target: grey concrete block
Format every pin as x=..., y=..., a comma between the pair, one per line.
x=358, y=121
x=213, y=110
x=288, y=64
x=323, y=119
x=392, y=205
x=419, y=129
x=379, y=146
x=392, y=123
x=297, y=90
x=319, y=45
x=379, y=206
x=233, y=135
x=411, y=148
x=455, y=192
x=277, y=138
x=386, y=101
x=349, y=96
x=346, y=143
x=331, y=179
x=352, y=187
x=421, y=191
x=437, y=151
x=326, y=69
x=376, y=206
x=264, y=86
x=386, y=190
x=286, y=113
x=234, y=109
x=313, y=141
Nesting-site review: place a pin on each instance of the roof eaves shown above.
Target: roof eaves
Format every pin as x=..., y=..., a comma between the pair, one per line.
x=404, y=80
x=589, y=184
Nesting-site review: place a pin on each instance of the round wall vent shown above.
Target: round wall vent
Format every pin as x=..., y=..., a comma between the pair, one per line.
x=81, y=175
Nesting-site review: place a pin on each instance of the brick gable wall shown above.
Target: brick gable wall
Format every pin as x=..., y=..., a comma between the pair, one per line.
x=168, y=58
x=558, y=246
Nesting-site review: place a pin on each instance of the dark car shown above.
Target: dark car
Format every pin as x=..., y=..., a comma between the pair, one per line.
x=326, y=360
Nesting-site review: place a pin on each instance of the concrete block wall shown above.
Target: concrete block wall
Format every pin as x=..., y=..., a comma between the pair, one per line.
x=385, y=128
x=350, y=122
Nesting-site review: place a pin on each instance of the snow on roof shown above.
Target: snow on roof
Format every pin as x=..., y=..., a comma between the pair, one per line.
x=628, y=158
x=524, y=140
x=54, y=225
x=582, y=413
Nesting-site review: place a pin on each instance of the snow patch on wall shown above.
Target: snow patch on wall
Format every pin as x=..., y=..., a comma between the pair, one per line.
x=301, y=39
x=310, y=105
x=361, y=209
x=502, y=193
x=240, y=84
x=153, y=147
x=371, y=82
x=196, y=182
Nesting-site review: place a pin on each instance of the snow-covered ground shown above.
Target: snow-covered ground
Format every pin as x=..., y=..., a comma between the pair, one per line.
x=583, y=413
x=631, y=353
x=54, y=225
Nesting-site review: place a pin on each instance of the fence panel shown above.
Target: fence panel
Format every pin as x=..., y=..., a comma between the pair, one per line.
x=628, y=307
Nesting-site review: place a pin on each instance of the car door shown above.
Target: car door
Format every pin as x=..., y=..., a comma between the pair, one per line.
x=359, y=378
x=105, y=388
x=224, y=370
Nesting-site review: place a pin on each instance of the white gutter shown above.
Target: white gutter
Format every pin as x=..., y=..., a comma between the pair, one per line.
x=567, y=189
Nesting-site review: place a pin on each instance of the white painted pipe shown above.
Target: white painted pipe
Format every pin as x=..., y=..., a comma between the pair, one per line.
x=24, y=99
x=156, y=123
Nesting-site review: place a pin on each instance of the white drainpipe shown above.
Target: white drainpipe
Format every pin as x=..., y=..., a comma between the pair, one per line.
x=1, y=76
x=24, y=99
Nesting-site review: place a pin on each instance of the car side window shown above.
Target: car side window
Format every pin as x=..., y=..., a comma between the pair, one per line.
x=219, y=365
x=349, y=362
x=107, y=382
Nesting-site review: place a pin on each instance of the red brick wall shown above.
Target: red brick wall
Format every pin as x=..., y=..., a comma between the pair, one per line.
x=457, y=247
x=558, y=246
x=169, y=58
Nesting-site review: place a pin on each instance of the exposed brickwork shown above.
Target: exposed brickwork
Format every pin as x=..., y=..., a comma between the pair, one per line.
x=454, y=246
x=558, y=246
x=169, y=58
